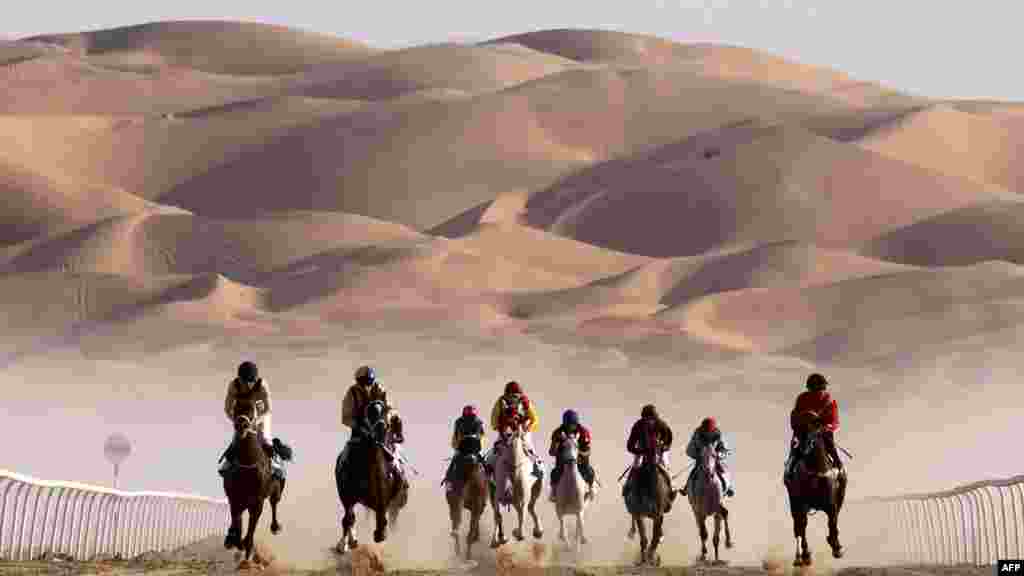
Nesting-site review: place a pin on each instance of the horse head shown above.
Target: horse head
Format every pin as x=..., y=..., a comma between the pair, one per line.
x=512, y=437
x=376, y=421
x=569, y=450
x=708, y=460
x=245, y=414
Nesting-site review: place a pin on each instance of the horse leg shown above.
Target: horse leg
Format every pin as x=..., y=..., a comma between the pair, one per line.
x=658, y=523
x=517, y=532
x=581, y=535
x=538, y=530
x=455, y=514
x=714, y=538
x=380, y=531
x=498, y=533
x=474, y=531
x=702, y=530
x=833, y=534
x=561, y=527
x=275, y=498
x=632, y=529
x=803, y=554
x=234, y=535
x=348, y=523
x=642, y=529
x=255, y=512
x=725, y=520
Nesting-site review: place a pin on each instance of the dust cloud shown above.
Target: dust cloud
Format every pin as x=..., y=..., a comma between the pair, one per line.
x=911, y=427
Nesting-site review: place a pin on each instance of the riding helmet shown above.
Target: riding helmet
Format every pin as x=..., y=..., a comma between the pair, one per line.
x=247, y=372
x=469, y=411
x=649, y=412
x=709, y=425
x=816, y=382
x=570, y=418
x=366, y=375
x=513, y=388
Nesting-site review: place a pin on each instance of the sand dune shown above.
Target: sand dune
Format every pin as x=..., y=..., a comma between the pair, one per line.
x=70, y=84
x=976, y=233
x=250, y=183
x=449, y=66
x=456, y=154
x=647, y=289
x=824, y=322
x=717, y=60
x=37, y=204
x=222, y=47
x=946, y=140
x=149, y=156
x=152, y=243
x=748, y=183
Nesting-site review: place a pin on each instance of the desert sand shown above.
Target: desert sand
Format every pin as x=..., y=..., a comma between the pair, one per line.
x=609, y=218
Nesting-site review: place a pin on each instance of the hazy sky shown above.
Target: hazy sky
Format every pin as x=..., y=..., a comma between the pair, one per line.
x=942, y=49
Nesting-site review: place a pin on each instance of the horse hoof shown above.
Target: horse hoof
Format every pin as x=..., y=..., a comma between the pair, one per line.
x=837, y=553
x=538, y=533
x=728, y=544
x=244, y=564
x=275, y=528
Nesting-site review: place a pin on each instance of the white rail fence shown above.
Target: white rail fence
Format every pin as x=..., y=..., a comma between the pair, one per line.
x=976, y=523
x=83, y=521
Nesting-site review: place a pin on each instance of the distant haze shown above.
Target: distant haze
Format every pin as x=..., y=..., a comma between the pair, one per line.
x=942, y=50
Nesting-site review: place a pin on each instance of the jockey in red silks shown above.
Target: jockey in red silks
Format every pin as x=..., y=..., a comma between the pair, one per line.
x=816, y=399
x=513, y=408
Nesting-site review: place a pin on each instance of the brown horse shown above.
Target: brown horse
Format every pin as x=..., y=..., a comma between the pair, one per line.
x=366, y=479
x=250, y=481
x=468, y=491
x=815, y=484
x=648, y=494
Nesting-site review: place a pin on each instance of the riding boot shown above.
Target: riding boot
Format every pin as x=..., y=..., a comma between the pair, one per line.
x=228, y=458
x=554, y=481
x=830, y=447
x=448, y=484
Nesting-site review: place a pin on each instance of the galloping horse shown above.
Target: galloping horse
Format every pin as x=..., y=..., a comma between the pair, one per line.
x=469, y=491
x=570, y=492
x=512, y=471
x=705, y=494
x=366, y=478
x=648, y=495
x=249, y=482
x=814, y=485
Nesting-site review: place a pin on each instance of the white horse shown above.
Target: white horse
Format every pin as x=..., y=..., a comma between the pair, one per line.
x=705, y=494
x=571, y=492
x=513, y=466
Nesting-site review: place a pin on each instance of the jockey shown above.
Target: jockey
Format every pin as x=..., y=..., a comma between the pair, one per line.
x=650, y=428
x=248, y=385
x=467, y=439
x=571, y=427
x=816, y=399
x=704, y=435
x=353, y=409
x=515, y=405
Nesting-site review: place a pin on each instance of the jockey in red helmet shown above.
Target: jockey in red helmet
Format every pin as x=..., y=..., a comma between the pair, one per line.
x=704, y=435
x=513, y=408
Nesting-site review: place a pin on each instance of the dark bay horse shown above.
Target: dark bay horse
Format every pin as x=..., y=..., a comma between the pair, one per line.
x=815, y=484
x=468, y=491
x=648, y=495
x=366, y=478
x=249, y=482
x=705, y=494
